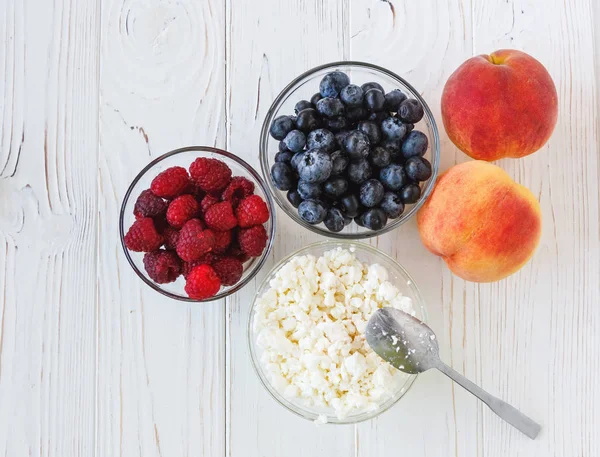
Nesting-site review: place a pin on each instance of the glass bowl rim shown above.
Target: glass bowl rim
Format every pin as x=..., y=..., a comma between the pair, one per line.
x=264, y=151
x=279, y=398
x=260, y=260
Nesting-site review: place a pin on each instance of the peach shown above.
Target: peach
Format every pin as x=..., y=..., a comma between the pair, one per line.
x=483, y=224
x=501, y=105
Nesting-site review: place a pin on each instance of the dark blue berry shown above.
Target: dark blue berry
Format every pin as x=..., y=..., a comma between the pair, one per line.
x=358, y=220
x=410, y=193
x=347, y=221
x=372, y=130
x=282, y=146
x=334, y=220
x=295, y=141
x=418, y=168
x=394, y=146
x=283, y=177
x=281, y=126
x=357, y=113
x=415, y=144
x=315, y=166
x=409, y=127
x=332, y=84
x=294, y=197
x=356, y=145
x=312, y=211
x=308, y=119
x=410, y=111
x=393, y=100
x=337, y=124
x=374, y=219
x=285, y=156
x=321, y=138
x=374, y=100
x=378, y=116
x=308, y=190
x=302, y=105
x=330, y=107
x=393, y=128
x=392, y=176
x=296, y=158
x=371, y=193
x=315, y=98
x=339, y=162
x=392, y=205
x=380, y=157
x=352, y=95
x=335, y=187
x=359, y=172
x=340, y=137
x=350, y=205
x=372, y=85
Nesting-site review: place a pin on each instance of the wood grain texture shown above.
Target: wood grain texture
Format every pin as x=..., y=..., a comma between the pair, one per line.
x=48, y=163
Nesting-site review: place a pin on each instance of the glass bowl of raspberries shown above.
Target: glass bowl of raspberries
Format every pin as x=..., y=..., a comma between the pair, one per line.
x=349, y=150
x=197, y=224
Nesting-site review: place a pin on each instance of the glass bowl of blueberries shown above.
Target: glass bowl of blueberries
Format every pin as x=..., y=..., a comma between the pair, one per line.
x=349, y=150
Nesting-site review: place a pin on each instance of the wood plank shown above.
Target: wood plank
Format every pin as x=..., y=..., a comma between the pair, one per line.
x=161, y=363
x=48, y=163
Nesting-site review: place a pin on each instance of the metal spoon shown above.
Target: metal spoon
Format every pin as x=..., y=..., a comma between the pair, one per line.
x=411, y=346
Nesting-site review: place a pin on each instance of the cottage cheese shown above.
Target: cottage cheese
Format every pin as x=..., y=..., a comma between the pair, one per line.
x=309, y=331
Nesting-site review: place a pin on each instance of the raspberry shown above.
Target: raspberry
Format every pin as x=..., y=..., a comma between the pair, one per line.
x=181, y=210
x=162, y=266
x=195, y=191
x=252, y=211
x=194, y=240
x=205, y=259
x=202, y=282
x=238, y=189
x=220, y=217
x=222, y=241
x=171, y=237
x=142, y=236
x=229, y=270
x=170, y=183
x=253, y=240
x=235, y=251
x=207, y=202
x=210, y=174
x=149, y=205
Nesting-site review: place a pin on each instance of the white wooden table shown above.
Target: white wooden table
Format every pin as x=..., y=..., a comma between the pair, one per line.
x=94, y=363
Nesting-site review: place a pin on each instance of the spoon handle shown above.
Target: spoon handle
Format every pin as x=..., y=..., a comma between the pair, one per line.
x=510, y=414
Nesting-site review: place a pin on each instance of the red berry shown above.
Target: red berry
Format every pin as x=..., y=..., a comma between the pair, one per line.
x=162, y=266
x=149, y=205
x=194, y=240
x=170, y=183
x=210, y=175
x=205, y=259
x=222, y=241
x=207, y=202
x=229, y=270
x=238, y=189
x=220, y=217
x=142, y=236
x=253, y=240
x=195, y=191
x=252, y=211
x=202, y=282
x=171, y=236
x=181, y=210
x=235, y=251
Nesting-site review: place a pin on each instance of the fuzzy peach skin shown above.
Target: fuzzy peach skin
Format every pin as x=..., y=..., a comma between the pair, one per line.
x=501, y=105
x=483, y=224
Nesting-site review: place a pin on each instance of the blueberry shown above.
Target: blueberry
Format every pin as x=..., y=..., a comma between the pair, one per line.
x=380, y=157
x=393, y=128
x=372, y=130
x=374, y=99
x=372, y=85
x=340, y=137
x=315, y=166
x=371, y=193
x=295, y=141
x=357, y=113
x=334, y=220
x=308, y=119
x=359, y=172
x=392, y=205
x=378, y=116
x=350, y=205
x=296, y=158
x=393, y=100
x=393, y=176
x=332, y=84
x=356, y=145
x=335, y=187
x=352, y=95
x=282, y=176
x=285, y=156
x=312, y=211
x=330, y=107
x=302, y=105
x=339, y=162
x=337, y=124
x=410, y=193
x=281, y=126
x=374, y=219
x=294, y=197
x=415, y=144
x=358, y=220
x=282, y=146
x=315, y=98
x=410, y=111
x=347, y=221
x=409, y=127
x=308, y=190
x=418, y=168
x=394, y=146
x=321, y=138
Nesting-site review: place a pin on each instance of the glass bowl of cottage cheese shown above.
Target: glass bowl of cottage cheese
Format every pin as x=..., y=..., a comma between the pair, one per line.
x=306, y=331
